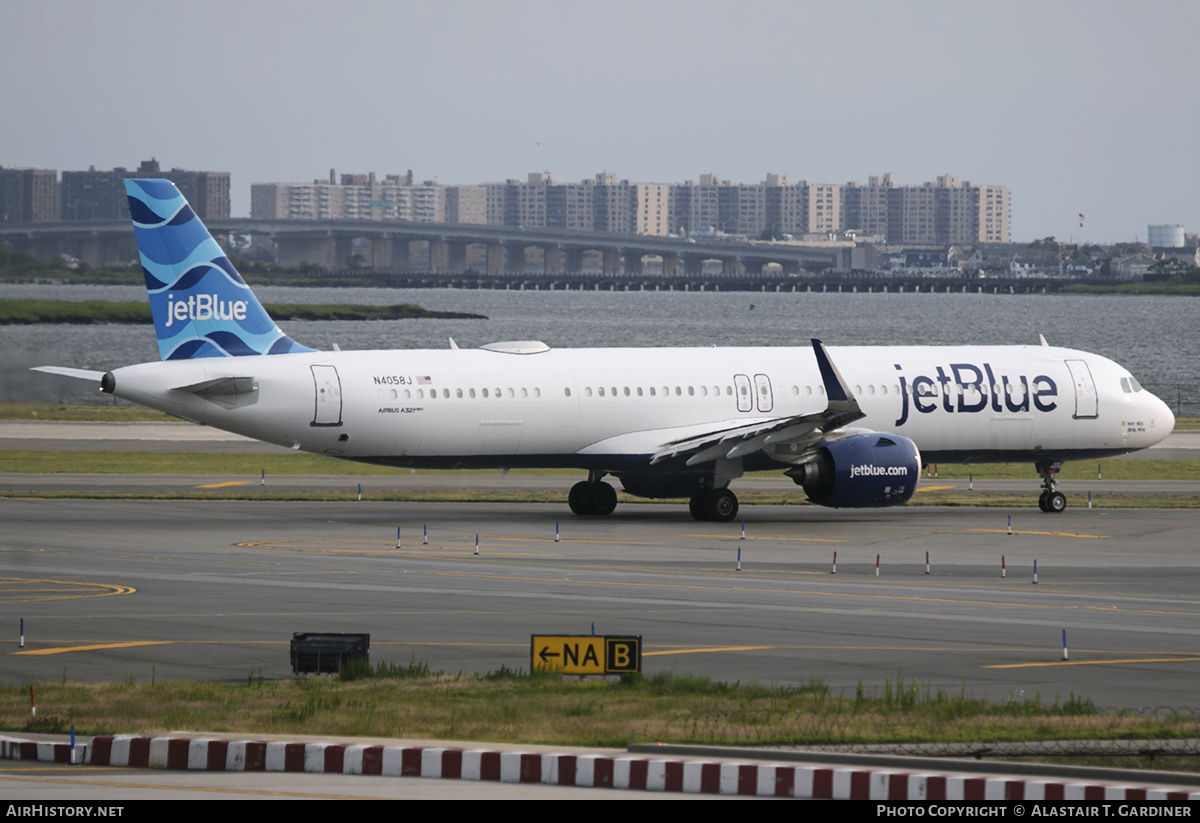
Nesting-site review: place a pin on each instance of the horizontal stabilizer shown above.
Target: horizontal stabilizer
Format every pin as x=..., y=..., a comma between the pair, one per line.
x=65, y=371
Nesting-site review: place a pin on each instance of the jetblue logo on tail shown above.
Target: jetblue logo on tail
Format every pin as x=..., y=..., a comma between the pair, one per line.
x=201, y=305
x=204, y=307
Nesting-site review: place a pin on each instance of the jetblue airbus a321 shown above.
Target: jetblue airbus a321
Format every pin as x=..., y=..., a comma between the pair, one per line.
x=849, y=425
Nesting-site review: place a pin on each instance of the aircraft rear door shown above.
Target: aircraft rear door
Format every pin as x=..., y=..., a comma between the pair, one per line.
x=1086, y=401
x=762, y=386
x=327, y=387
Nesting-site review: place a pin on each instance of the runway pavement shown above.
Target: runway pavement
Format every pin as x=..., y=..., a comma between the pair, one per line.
x=214, y=590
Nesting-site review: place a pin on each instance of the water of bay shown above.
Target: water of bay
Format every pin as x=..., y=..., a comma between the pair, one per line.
x=1156, y=337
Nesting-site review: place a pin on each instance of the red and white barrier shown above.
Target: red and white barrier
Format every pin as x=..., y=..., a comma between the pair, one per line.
x=601, y=771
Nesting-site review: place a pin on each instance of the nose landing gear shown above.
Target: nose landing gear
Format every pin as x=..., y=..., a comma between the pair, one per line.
x=1051, y=501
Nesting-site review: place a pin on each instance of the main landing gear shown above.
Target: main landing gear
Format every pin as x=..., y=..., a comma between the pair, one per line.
x=1051, y=501
x=592, y=497
x=717, y=505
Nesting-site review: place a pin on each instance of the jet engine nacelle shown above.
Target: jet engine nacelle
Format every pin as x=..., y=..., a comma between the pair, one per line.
x=861, y=471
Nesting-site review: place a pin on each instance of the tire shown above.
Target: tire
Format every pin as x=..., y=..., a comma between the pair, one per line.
x=696, y=506
x=1042, y=502
x=577, y=499
x=1056, y=503
x=721, y=506
x=602, y=499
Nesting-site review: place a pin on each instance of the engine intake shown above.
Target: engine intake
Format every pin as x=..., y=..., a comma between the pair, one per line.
x=861, y=471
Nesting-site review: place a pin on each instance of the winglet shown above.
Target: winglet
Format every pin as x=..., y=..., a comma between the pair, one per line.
x=841, y=401
x=835, y=387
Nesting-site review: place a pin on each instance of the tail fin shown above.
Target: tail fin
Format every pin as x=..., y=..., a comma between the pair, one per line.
x=201, y=305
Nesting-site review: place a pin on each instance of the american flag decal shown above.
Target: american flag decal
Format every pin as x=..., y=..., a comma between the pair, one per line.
x=424, y=381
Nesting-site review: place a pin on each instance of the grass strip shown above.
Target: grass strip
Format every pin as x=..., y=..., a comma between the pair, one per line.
x=511, y=706
x=115, y=412
x=299, y=463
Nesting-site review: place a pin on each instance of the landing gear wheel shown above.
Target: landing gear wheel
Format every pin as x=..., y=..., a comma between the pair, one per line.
x=577, y=499
x=1051, y=501
x=601, y=499
x=696, y=506
x=720, y=506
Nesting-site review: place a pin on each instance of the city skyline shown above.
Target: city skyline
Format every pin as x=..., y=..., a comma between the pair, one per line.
x=1076, y=108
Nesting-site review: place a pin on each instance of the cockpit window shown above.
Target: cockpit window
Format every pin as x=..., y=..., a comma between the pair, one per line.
x=1136, y=385
x=1125, y=385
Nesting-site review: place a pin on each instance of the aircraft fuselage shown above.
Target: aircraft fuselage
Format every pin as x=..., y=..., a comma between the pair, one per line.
x=608, y=408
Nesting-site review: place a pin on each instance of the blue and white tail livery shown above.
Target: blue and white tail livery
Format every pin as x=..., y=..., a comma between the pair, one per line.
x=201, y=305
x=849, y=425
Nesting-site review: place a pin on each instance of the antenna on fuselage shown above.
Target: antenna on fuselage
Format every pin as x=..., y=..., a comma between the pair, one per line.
x=1042, y=340
x=453, y=345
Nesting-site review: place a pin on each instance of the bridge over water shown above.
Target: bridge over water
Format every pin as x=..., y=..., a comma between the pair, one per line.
x=445, y=247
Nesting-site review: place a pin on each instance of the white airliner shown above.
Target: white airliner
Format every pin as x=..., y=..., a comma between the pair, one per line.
x=665, y=422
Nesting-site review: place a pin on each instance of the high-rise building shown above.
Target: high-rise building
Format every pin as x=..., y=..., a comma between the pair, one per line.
x=28, y=195
x=100, y=195
x=865, y=208
x=365, y=197
x=466, y=204
x=942, y=212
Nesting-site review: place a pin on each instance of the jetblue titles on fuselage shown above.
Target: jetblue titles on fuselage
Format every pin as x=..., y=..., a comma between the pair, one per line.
x=977, y=389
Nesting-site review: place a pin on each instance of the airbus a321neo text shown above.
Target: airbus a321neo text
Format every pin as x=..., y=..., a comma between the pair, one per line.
x=850, y=425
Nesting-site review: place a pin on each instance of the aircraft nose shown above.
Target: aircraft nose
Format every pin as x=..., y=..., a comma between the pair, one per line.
x=1160, y=421
x=1166, y=417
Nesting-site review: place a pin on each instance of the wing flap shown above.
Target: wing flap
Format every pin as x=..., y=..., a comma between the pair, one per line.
x=800, y=431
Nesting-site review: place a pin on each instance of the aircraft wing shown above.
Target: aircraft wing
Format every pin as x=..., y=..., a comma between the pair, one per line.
x=799, y=431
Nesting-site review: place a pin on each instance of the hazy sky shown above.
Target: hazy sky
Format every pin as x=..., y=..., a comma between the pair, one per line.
x=1075, y=106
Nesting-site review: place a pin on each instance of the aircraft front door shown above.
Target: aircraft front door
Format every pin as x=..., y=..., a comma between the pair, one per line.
x=745, y=395
x=327, y=387
x=1086, y=401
